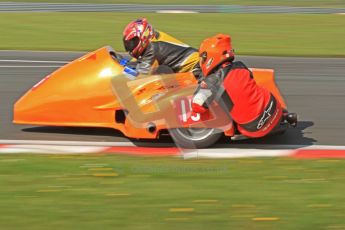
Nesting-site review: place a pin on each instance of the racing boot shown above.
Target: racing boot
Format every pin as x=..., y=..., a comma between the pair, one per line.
x=291, y=118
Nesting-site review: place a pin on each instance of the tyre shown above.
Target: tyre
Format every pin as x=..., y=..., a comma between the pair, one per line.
x=195, y=137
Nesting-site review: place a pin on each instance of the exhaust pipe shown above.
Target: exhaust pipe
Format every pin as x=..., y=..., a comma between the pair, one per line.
x=151, y=127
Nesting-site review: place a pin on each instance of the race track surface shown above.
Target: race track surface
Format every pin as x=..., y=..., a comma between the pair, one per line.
x=312, y=87
x=75, y=7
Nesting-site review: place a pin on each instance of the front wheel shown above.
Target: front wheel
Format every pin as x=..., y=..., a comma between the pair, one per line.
x=195, y=137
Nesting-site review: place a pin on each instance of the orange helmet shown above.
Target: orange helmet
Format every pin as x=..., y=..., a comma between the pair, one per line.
x=137, y=36
x=214, y=51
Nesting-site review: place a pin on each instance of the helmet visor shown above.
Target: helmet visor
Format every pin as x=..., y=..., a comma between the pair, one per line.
x=131, y=44
x=203, y=57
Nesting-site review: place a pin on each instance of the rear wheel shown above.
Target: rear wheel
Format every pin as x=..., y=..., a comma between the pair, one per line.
x=195, y=137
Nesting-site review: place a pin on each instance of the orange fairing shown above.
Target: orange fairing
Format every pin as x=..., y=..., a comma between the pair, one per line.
x=78, y=94
x=265, y=78
x=93, y=91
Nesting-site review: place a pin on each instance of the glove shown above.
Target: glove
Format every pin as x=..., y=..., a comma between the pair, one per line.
x=124, y=61
x=198, y=109
x=130, y=73
x=200, y=99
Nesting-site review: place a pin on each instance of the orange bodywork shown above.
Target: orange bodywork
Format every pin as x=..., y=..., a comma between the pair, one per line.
x=88, y=91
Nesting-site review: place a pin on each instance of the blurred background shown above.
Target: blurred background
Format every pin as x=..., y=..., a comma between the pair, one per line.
x=288, y=28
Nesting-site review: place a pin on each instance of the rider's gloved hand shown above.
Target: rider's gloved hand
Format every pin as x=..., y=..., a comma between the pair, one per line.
x=198, y=109
x=131, y=73
x=200, y=98
x=124, y=61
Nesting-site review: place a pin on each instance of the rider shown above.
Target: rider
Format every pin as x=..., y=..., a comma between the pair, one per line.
x=253, y=108
x=152, y=48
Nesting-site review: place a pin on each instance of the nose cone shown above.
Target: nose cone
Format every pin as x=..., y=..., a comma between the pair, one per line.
x=35, y=105
x=71, y=95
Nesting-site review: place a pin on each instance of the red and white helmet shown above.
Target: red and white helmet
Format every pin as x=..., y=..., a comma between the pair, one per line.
x=137, y=36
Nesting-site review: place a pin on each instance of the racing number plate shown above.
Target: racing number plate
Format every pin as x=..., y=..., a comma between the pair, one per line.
x=185, y=114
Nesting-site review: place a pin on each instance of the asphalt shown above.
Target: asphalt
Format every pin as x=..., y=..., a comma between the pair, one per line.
x=73, y=7
x=313, y=87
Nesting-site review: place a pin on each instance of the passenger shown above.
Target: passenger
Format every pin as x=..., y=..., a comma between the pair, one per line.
x=253, y=108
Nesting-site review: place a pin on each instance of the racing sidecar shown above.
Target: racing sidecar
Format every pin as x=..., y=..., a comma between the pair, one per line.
x=97, y=91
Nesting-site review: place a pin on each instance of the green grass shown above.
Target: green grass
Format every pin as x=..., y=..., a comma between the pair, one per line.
x=313, y=3
x=65, y=192
x=281, y=34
